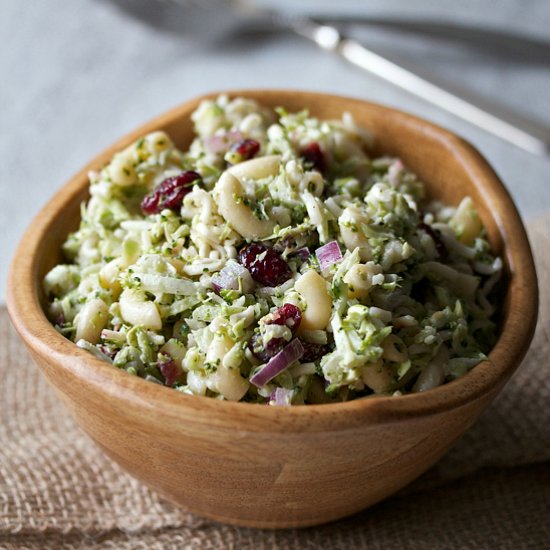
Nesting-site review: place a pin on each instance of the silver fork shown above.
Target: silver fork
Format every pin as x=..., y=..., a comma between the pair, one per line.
x=503, y=123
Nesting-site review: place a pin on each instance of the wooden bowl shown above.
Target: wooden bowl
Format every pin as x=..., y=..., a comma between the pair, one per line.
x=273, y=467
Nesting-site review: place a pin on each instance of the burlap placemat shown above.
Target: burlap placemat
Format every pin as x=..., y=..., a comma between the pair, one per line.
x=492, y=490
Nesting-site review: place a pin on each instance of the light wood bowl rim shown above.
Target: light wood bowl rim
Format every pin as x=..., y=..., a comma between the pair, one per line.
x=41, y=337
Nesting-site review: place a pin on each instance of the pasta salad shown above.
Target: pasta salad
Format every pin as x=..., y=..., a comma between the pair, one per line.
x=275, y=261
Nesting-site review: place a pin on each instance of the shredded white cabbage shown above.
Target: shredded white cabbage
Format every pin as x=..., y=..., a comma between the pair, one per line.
x=187, y=267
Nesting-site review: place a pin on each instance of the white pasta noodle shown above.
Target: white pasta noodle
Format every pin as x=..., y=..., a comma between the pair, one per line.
x=312, y=287
x=230, y=197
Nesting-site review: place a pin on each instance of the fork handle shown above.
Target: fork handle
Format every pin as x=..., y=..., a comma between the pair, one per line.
x=508, y=125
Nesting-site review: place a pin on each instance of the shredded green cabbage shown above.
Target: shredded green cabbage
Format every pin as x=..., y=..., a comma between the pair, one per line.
x=163, y=295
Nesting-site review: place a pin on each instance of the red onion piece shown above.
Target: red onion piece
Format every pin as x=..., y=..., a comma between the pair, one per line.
x=170, y=370
x=288, y=355
x=220, y=143
x=328, y=254
x=394, y=172
x=282, y=396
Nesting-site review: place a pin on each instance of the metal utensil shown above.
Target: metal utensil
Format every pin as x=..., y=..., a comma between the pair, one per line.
x=507, y=125
x=503, y=123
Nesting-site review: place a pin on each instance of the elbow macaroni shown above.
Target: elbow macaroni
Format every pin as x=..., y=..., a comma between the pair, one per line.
x=231, y=196
x=138, y=311
x=91, y=320
x=466, y=222
x=313, y=289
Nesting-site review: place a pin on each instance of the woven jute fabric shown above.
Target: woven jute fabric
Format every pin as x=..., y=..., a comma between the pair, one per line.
x=492, y=490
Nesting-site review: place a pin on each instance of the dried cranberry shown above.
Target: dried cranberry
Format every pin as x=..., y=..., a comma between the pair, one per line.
x=242, y=150
x=170, y=370
x=436, y=236
x=265, y=264
x=312, y=352
x=170, y=193
x=313, y=157
x=287, y=314
x=264, y=352
x=149, y=204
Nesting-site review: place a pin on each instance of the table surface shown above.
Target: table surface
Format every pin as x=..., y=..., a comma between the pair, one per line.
x=78, y=75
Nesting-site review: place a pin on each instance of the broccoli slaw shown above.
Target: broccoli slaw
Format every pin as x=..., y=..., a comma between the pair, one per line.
x=275, y=262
